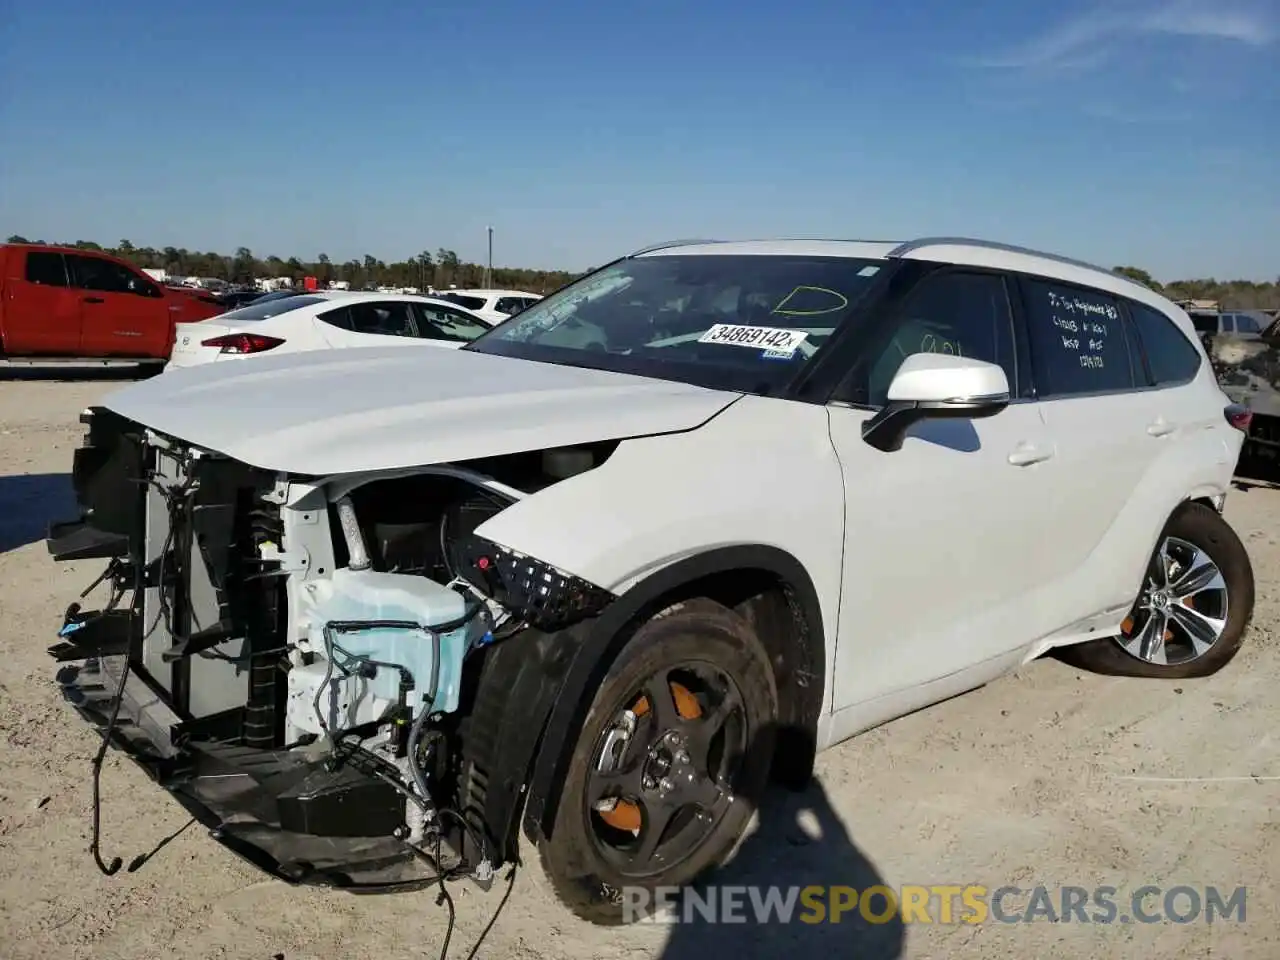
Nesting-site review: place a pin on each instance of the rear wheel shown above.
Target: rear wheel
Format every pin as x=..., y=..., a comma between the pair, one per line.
x=669, y=764
x=1191, y=614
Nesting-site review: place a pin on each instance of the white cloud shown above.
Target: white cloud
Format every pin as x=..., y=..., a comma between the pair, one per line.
x=1089, y=39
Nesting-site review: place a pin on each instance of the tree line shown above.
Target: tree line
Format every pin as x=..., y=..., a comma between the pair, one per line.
x=1232, y=294
x=439, y=269
x=442, y=268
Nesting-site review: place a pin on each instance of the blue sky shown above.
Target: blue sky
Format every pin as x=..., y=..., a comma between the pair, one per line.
x=1135, y=131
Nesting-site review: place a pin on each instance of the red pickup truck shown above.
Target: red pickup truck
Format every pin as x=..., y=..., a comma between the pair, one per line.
x=62, y=303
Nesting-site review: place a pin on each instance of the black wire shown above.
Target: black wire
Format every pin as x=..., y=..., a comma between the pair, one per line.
x=108, y=732
x=511, y=885
x=447, y=899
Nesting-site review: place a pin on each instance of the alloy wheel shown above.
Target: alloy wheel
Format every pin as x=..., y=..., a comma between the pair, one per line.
x=1182, y=611
x=662, y=778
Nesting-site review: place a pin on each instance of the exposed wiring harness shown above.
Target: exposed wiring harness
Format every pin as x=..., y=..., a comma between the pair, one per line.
x=113, y=719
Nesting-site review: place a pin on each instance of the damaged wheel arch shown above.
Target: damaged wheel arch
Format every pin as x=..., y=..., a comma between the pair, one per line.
x=767, y=585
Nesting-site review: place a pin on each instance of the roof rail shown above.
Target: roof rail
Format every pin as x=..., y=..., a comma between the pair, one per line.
x=911, y=245
x=670, y=243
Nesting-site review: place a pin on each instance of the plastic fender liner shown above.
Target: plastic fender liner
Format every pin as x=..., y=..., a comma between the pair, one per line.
x=600, y=640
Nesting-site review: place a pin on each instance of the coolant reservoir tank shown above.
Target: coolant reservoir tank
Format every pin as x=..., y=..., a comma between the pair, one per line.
x=566, y=462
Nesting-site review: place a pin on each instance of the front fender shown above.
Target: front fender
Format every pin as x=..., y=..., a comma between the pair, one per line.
x=596, y=643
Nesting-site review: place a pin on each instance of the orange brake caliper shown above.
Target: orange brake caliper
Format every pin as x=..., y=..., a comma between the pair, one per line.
x=625, y=814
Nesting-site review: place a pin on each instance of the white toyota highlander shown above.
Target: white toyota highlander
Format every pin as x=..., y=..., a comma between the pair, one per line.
x=600, y=574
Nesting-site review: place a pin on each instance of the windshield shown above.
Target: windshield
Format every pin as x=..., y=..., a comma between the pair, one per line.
x=269, y=307
x=740, y=322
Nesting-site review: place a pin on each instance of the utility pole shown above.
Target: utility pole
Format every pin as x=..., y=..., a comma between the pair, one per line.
x=488, y=274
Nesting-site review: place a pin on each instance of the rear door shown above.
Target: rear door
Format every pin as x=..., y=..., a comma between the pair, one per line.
x=41, y=310
x=1106, y=435
x=125, y=313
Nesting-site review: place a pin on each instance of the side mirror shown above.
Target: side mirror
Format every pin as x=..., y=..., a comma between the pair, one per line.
x=936, y=386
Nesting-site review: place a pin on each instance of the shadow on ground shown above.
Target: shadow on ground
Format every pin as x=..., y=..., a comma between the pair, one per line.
x=64, y=373
x=801, y=842
x=29, y=502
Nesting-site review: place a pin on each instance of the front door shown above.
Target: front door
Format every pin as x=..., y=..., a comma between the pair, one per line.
x=945, y=539
x=125, y=314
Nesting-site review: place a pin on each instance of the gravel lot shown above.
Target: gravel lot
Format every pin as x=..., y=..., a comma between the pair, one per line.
x=1038, y=778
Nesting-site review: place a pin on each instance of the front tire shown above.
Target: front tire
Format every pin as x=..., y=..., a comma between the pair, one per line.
x=1190, y=617
x=670, y=762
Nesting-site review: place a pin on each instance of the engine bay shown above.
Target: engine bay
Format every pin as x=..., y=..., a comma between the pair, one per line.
x=299, y=657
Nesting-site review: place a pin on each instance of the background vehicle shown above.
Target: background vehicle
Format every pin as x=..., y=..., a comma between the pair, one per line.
x=317, y=321
x=494, y=305
x=67, y=304
x=1247, y=365
x=1245, y=324
x=524, y=585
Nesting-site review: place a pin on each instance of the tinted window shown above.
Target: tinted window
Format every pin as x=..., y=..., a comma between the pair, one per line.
x=1228, y=323
x=1247, y=324
x=270, y=306
x=1204, y=323
x=46, y=269
x=106, y=276
x=1078, y=341
x=962, y=314
x=388, y=319
x=441, y=323
x=510, y=304
x=471, y=303
x=1170, y=355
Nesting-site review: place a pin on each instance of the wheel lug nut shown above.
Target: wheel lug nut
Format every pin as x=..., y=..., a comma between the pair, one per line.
x=648, y=783
x=682, y=757
x=665, y=785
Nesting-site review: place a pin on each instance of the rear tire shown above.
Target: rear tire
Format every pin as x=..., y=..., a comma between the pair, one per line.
x=707, y=758
x=1197, y=640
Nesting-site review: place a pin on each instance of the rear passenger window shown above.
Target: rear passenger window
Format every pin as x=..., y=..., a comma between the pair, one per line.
x=46, y=269
x=1078, y=341
x=1169, y=353
x=962, y=314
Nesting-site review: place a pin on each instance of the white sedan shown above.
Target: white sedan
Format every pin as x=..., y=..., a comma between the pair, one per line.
x=494, y=305
x=325, y=320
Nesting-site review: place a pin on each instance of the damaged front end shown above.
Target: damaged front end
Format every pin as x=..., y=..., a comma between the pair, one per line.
x=318, y=668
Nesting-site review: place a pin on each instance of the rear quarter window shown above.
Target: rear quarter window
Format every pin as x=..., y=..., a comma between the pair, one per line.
x=1171, y=357
x=1078, y=340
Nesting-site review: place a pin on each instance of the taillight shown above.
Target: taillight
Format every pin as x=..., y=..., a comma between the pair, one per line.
x=240, y=343
x=1238, y=416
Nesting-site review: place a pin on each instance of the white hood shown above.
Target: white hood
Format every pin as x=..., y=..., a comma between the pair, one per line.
x=346, y=411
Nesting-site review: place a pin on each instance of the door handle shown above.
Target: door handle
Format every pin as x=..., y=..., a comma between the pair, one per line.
x=1161, y=428
x=94, y=300
x=1026, y=454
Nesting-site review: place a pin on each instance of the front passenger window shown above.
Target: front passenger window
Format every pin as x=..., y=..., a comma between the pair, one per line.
x=106, y=276
x=961, y=314
x=388, y=319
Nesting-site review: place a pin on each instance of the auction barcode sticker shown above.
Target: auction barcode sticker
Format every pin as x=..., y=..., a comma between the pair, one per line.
x=777, y=340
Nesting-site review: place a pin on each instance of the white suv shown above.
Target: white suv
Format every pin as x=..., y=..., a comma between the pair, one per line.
x=600, y=572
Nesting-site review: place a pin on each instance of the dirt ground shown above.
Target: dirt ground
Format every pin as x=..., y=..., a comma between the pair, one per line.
x=1050, y=776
